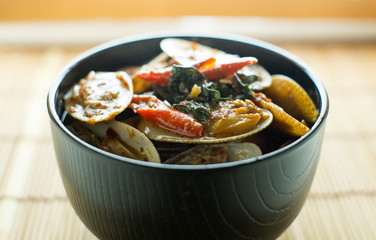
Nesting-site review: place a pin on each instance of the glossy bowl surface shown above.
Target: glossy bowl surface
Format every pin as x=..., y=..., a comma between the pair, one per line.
x=119, y=198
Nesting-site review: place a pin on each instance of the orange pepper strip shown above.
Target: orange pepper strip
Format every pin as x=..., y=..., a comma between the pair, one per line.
x=262, y=96
x=156, y=111
x=208, y=63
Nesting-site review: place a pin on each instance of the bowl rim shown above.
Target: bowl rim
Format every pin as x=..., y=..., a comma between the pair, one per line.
x=55, y=119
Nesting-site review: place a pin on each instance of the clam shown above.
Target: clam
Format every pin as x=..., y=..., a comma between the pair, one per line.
x=288, y=94
x=125, y=140
x=189, y=52
x=100, y=96
x=282, y=121
x=255, y=76
x=216, y=153
x=158, y=134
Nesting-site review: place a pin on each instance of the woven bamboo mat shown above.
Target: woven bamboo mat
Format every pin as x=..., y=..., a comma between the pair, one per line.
x=342, y=201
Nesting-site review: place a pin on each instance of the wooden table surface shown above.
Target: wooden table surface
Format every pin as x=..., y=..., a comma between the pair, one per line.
x=341, y=203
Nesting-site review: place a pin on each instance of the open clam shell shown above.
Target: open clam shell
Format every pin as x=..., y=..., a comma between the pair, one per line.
x=264, y=79
x=188, y=52
x=130, y=136
x=99, y=97
x=288, y=94
x=158, y=134
x=216, y=153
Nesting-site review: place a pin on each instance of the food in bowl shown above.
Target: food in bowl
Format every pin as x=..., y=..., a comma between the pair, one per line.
x=121, y=198
x=191, y=104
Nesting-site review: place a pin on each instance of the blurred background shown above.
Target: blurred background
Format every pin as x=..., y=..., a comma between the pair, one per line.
x=93, y=21
x=337, y=38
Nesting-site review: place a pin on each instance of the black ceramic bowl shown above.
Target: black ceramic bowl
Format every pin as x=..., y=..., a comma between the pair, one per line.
x=120, y=198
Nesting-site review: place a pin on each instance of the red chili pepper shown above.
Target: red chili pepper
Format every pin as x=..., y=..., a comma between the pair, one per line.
x=212, y=72
x=226, y=69
x=163, y=76
x=156, y=111
x=157, y=76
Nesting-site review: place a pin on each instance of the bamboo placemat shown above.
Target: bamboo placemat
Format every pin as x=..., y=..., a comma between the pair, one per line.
x=342, y=201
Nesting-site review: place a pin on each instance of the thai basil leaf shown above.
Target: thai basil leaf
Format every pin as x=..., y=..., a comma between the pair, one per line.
x=182, y=80
x=242, y=90
x=249, y=79
x=226, y=90
x=199, y=110
x=209, y=93
x=163, y=92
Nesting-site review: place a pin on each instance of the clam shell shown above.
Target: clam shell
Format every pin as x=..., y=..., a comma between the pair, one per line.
x=265, y=79
x=99, y=97
x=241, y=151
x=282, y=121
x=216, y=153
x=188, y=52
x=158, y=134
x=289, y=95
x=129, y=135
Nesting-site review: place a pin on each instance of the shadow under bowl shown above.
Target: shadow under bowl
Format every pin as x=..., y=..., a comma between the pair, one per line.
x=121, y=198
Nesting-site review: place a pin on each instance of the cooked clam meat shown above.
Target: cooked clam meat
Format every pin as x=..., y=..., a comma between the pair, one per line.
x=235, y=117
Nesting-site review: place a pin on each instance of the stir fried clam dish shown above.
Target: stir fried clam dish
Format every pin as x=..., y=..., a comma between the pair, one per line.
x=191, y=104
